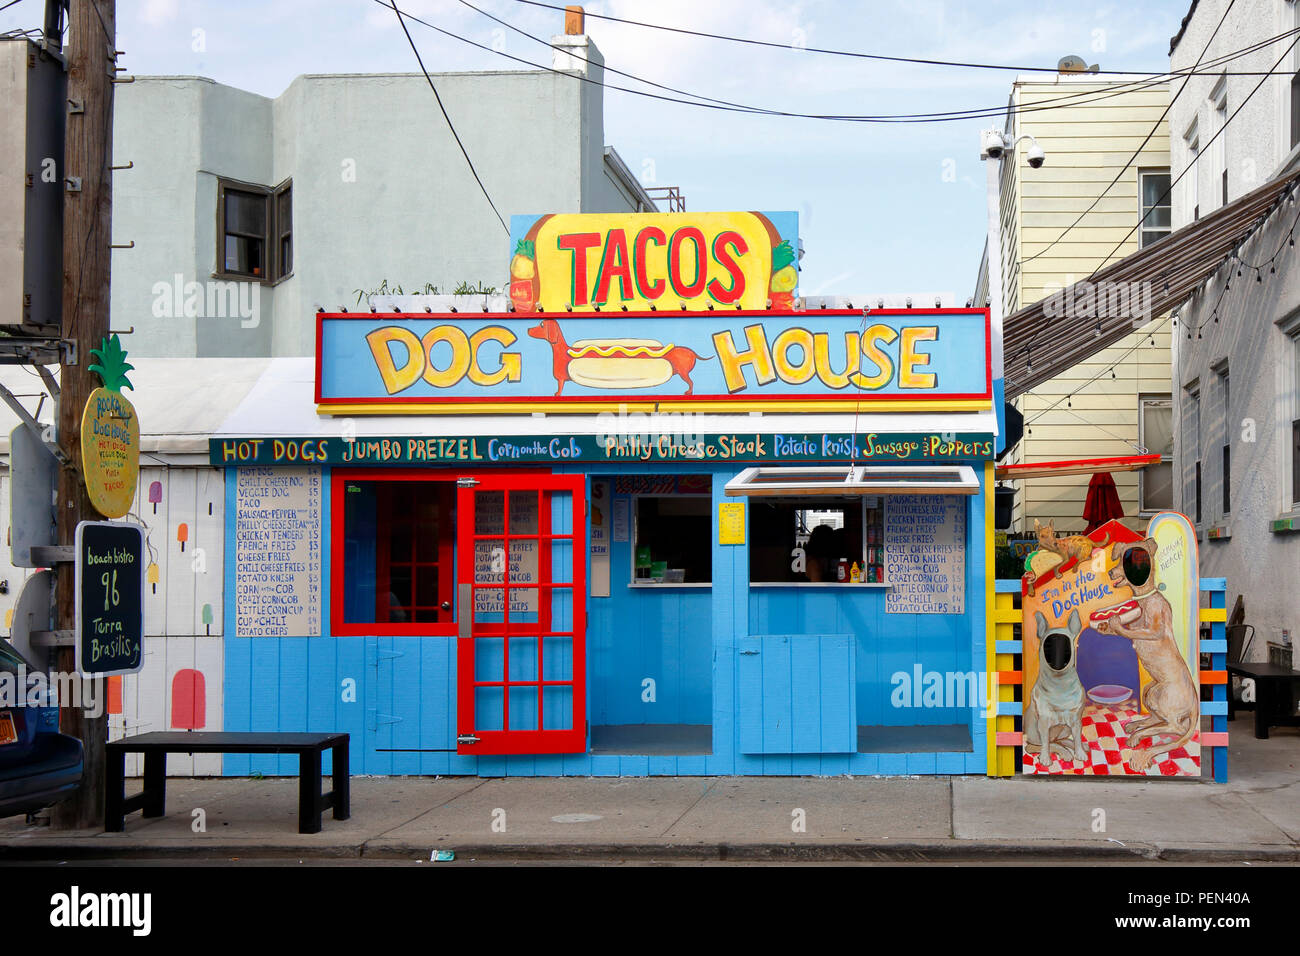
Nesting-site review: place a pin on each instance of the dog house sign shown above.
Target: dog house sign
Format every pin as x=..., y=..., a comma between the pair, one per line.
x=1111, y=666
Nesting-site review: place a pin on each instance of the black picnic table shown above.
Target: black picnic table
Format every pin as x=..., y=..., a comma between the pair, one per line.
x=156, y=746
x=1274, y=695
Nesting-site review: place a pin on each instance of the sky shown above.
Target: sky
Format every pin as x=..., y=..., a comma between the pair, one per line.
x=883, y=208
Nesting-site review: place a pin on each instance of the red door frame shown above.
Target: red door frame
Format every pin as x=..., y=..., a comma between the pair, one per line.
x=542, y=740
x=339, y=478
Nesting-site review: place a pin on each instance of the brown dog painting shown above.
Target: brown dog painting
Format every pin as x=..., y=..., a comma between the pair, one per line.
x=615, y=363
x=1171, y=699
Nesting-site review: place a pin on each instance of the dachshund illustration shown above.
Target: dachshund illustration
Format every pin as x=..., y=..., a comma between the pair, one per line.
x=1171, y=700
x=615, y=363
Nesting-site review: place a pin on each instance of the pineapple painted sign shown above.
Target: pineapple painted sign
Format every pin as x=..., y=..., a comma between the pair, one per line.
x=642, y=261
x=110, y=434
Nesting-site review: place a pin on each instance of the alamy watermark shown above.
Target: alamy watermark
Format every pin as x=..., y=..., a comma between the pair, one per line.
x=208, y=300
x=58, y=689
x=950, y=689
x=1099, y=300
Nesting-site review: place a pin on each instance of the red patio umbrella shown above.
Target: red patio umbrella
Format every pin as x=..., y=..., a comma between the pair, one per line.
x=1102, y=503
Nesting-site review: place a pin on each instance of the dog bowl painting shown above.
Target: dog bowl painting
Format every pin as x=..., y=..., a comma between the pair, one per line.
x=1109, y=693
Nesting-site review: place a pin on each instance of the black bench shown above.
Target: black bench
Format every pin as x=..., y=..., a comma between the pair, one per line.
x=156, y=746
x=1274, y=695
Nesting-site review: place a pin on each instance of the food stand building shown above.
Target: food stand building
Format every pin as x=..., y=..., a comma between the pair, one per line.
x=651, y=514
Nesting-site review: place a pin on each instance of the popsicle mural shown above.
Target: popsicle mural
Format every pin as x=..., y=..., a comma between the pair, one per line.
x=189, y=700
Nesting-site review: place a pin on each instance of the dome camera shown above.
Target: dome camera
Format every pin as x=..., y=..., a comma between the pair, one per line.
x=1036, y=156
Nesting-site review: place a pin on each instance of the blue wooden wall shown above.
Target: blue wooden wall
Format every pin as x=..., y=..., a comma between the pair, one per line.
x=405, y=686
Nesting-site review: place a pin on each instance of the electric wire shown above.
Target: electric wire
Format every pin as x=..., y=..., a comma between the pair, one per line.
x=1174, y=182
x=1078, y=98
x=450, y=125
x=1132, y=159
x=720, y=105
x=810, y=49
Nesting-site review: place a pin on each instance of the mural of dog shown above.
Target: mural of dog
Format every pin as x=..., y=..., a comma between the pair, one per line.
x=615, y=363
x=1171, y=700
x=1053, y=720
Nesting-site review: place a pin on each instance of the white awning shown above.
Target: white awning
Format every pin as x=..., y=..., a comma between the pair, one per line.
x=850, y=480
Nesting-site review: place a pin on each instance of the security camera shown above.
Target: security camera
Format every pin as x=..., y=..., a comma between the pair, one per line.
x=992, y=146
x=1036, y=156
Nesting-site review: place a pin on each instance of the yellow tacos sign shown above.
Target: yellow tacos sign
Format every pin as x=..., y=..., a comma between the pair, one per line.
x=644, y=261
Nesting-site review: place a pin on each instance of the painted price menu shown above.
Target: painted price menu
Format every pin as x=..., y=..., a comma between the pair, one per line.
x=278, y=552
x=925, y=551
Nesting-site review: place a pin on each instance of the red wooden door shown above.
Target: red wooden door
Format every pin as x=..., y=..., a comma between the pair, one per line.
x=521, y=594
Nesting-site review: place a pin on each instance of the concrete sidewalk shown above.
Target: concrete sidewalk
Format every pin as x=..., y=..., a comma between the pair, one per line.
x=1254, y=817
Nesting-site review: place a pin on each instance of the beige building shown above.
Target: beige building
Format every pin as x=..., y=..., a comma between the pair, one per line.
x=1062, y=222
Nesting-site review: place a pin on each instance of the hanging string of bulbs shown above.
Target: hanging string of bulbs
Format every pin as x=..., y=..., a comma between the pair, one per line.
x=1241, y=264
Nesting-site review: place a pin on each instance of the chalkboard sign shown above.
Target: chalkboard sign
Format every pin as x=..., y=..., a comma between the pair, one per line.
x=110, y=598
x=925, y=551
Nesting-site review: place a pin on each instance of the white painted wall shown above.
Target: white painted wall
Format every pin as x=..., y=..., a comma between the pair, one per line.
x=1259, y=564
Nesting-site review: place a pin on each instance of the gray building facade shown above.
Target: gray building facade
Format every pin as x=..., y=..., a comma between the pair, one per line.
x=1237, y=344
x=248, y=213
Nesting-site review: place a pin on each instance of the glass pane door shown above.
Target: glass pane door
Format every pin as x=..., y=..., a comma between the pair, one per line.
x=520, y=652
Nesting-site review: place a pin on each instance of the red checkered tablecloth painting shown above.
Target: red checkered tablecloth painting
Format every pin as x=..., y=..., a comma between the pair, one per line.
x=1108, y=753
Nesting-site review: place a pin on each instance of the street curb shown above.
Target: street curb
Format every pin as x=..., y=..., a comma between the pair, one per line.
x=941, y=851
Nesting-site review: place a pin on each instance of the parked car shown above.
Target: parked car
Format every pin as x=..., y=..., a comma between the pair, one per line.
x=38, y=765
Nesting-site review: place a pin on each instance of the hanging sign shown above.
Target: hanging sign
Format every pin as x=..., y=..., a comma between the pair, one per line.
x=110, y=435
x=623, y=444
x=639, y=261
x=820, y=360
x=110, y=598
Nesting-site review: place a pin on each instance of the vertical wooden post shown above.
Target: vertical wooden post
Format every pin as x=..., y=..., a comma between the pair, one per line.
x=87, y=239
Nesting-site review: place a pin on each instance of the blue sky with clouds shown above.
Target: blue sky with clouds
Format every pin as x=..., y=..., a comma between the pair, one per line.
x=877, y=212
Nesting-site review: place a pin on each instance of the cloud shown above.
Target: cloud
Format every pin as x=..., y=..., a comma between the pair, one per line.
x=157, y=12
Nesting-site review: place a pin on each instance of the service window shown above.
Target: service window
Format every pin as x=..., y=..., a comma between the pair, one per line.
x=817, y=540
x=397, y=572
x=672, y=544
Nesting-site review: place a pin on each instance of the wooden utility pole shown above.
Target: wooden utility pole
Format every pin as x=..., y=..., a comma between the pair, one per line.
x=87, y=246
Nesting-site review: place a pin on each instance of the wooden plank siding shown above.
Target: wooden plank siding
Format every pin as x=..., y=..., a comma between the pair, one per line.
x=1087, y=145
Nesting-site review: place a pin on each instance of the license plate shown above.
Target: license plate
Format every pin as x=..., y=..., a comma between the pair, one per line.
x=8, y=733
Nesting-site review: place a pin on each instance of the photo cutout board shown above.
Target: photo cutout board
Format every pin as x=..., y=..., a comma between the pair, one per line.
x=1111, y=653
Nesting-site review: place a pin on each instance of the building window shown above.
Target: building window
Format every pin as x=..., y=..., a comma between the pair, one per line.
x=1156, y=435
x=398, y=556
x=1192, y=435
x=673, y=540
x=1226, y=403
x=1156, y=204
x=1295, y=110
x=1295, y=422
x=1219, y=100
x=255, y=230
x=1192, y=139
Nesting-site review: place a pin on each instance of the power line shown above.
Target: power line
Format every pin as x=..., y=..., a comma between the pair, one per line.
x=1190, y=166
x=11, y=3
x=812, y=49
x=1187, y=79
x=1082, y=97
x=451, y=126
x=722, y=105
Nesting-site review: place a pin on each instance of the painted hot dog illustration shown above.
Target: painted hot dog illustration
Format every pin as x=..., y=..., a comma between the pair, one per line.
x=615, y=363
x=1126, y=613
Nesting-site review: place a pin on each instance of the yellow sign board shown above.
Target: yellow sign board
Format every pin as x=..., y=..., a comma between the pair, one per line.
x=110, y=436
x=731, y=522
x=643, y=261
